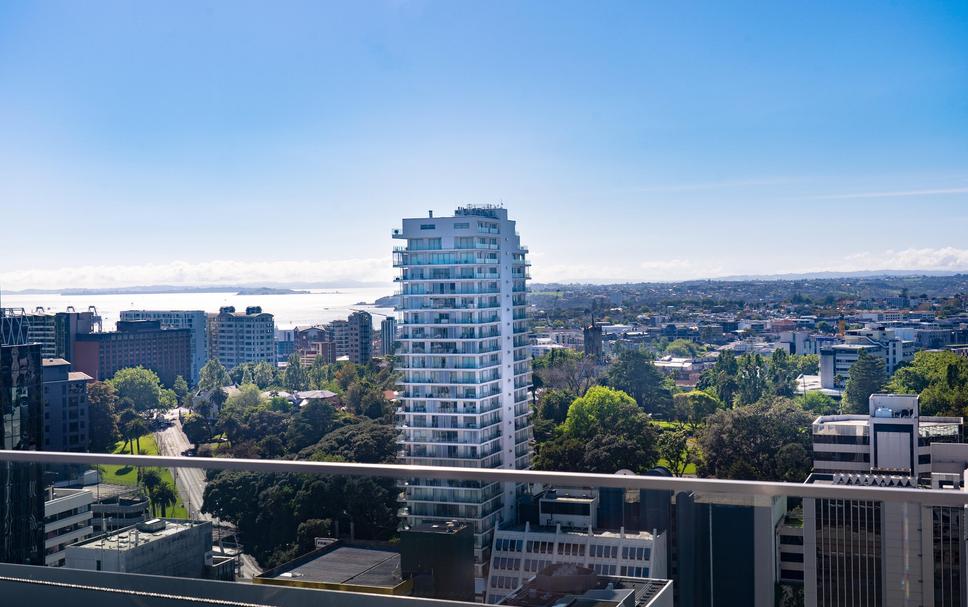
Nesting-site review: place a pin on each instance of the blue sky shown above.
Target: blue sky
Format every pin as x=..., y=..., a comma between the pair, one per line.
x=222, y=141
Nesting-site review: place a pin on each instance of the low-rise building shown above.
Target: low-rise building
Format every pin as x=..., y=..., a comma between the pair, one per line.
x=67, y=519
x=566, y=584
x=156, y=547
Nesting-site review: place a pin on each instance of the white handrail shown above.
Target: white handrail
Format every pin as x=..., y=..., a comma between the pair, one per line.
x=562, y=479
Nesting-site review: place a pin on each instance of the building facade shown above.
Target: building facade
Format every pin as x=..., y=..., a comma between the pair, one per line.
x=235, y=338
x=143, y=343
x=353, y=337
x=196, y=321
x=65, y=407
x=21, y=488
x=388, y=336
x=67, y=520
x=466, y=367
x=568, y=531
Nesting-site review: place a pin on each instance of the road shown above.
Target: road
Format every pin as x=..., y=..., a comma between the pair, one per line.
x=190, y=483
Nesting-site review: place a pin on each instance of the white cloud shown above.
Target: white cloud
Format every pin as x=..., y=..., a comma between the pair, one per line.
x=218, y=272
x=895, y=194
x=944, y=258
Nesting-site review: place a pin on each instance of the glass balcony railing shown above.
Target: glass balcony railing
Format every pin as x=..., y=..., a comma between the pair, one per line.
x=329, y=532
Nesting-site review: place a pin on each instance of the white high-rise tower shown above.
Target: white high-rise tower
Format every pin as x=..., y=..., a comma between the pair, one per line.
x=466, y=365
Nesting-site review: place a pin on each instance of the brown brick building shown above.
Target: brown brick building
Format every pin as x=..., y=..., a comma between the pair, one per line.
x=167, y=352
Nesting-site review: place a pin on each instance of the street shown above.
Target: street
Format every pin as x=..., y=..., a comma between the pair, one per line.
x=190, y=483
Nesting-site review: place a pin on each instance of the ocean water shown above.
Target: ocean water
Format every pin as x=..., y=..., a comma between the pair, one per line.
x=316, y=307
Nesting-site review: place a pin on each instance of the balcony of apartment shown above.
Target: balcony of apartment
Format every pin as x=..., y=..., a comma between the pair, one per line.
x=698, y=503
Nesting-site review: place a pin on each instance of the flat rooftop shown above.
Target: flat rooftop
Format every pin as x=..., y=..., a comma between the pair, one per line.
x=132, y=537
x=351, y=565
x=582, y=532
x=573, y=586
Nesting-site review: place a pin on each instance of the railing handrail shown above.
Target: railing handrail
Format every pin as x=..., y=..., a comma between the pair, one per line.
x=561, y=479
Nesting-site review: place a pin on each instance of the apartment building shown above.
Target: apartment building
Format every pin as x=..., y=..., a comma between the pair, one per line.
x=143, y=343
x=65, y=407
x=67, y=520
x=353, y=337
x=56, y=331
x=466, y=367
x=568, y=531
x=235, y=338
x=193, y=320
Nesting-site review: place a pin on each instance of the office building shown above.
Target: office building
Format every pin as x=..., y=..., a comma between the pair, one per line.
x=285, y=344
x=65, y=407
x=67, y=520
x=570, y=585
x=388, y=336
x=866, y=552
x=156, y=547
x=235, y=338
x=21, y=489
x=466, y=366
x=568, y=530
x=143, y=343
x=892, y=436
x=196, y=321
x=837, y=359
x=57, y=331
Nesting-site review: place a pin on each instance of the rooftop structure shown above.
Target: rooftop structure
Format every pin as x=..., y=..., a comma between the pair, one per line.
x=567, y=585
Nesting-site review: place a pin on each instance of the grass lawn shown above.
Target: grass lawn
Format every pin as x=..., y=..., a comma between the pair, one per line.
x=690, y=468
x=128, y=475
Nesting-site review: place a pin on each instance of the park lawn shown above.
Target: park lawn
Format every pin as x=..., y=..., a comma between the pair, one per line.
x=690, y=467
x=128, y=475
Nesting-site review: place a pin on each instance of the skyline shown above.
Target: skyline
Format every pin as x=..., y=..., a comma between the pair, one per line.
x=217, y=143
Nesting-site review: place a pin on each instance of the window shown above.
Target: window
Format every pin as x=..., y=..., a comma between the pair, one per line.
x=462, y=226
x=428, y=226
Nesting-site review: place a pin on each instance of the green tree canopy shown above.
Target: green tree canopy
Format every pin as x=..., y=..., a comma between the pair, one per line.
x=141, y=386
x=866, y=376
x=939, y=377
x=635, y=374
x=695, y=406
x=103, y=429
x=744, y=442
x=197, y=429
x=213, y=375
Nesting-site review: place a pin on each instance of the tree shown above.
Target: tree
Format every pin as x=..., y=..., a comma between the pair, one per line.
x=635, y=374
x=197, y=429
x=128, y=425
x=781, y=373
x=554, y=405
x=310, y=424
x=263, y=374
x=866, y=376
x=694, y=407
x=604, y=431
x=751, y=380
x=102, y=419
x=164, y=497
x=817, y=403
x=673, y=447
x=180, y=388
x=140, y=385
x=685, y=348
x=565, y=369
x=939, y=377
x=213, y=375
x=721, y=378
x=150, y=480
x=744, y=442
x=295, y=378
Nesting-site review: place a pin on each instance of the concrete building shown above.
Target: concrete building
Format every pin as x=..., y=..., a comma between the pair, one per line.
x=592, y=342
x=193, y=320
x=67, y=520
x=156, y=547
x=862, y=552
x=388, y=336
x=837, y=359
x=568, y=531
x=21, y=489
x=466, y=366
x=285, y=344
x=892, y=436
x=143, y=343
x=65, y=407
x=235, y=338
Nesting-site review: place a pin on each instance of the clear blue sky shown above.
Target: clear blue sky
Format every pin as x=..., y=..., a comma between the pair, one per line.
x=195, y=141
